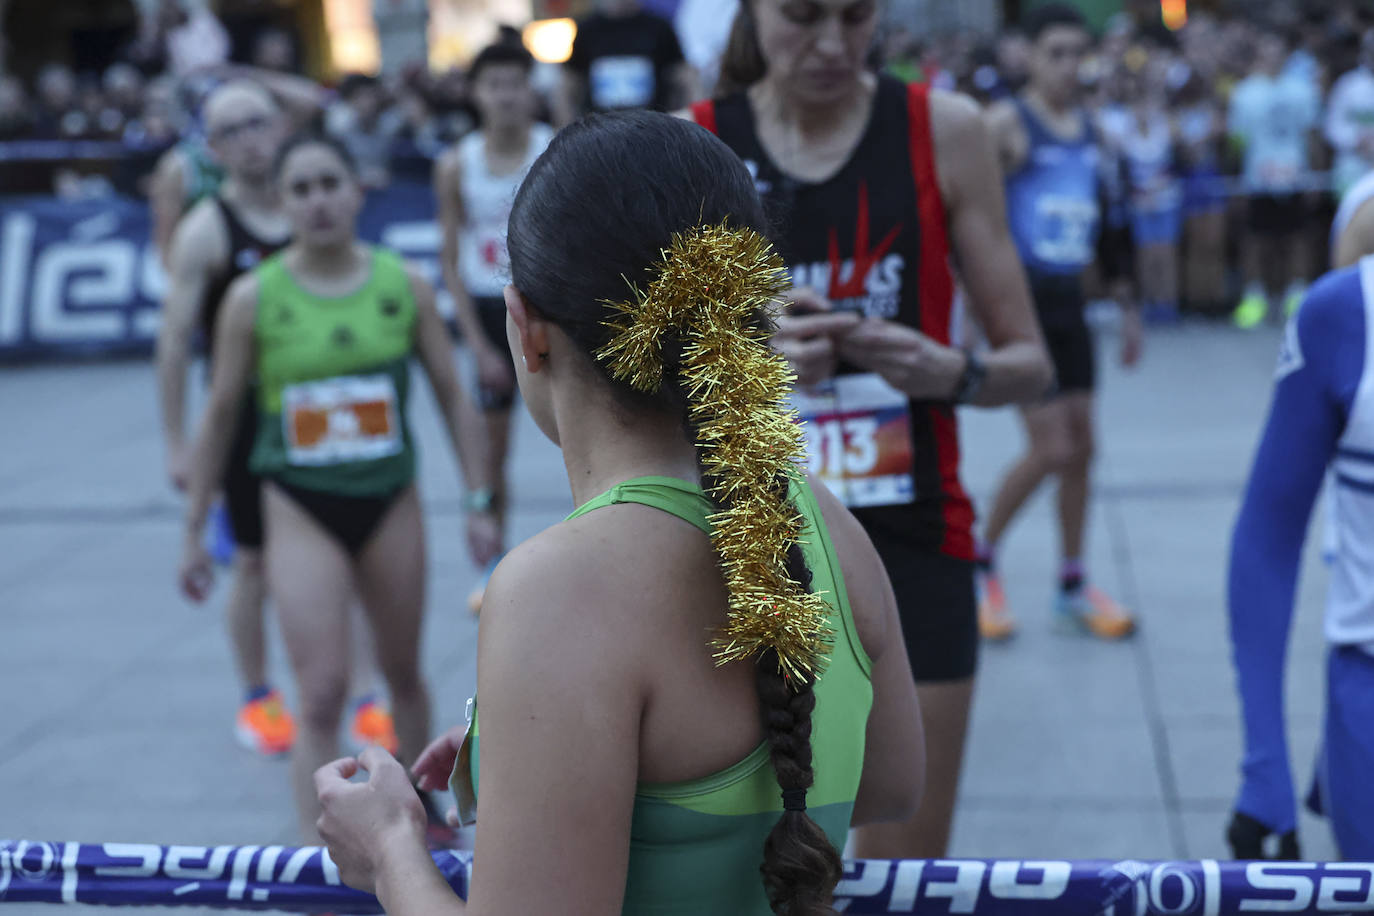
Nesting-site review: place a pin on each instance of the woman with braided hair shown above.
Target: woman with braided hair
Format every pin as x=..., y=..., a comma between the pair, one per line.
x=692, y=687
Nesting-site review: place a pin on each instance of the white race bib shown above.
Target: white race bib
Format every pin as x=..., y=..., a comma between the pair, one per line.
x=340, y=420
x=858, y=439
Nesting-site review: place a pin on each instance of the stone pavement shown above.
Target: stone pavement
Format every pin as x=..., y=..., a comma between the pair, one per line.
x=119, y=697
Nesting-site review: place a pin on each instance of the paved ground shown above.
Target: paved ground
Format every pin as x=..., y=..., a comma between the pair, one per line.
x=118, y=696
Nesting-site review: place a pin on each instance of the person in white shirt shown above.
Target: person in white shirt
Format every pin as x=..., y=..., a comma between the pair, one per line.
x=1271, y=119
x=1350, y=120
x=475, y=183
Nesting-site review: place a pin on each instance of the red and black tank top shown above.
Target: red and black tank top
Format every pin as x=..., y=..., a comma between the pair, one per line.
x=872, y=239
x=246, y=251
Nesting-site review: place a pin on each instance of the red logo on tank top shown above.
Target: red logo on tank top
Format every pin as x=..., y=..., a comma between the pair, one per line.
x=856, y=284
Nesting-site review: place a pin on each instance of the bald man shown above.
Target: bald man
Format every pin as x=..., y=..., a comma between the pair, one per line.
x=223, y=235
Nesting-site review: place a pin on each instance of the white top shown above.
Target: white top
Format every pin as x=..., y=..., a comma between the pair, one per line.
x=1350, y=597
x=1273, y=117
x=1149, y=159
x=483, y=262
x=1354, y=199
x=1350, y=119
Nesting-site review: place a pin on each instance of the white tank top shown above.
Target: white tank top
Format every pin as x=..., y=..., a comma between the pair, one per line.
x=1149, y=157
x=482, y=260
x=1350, y=596
x=1353, y=200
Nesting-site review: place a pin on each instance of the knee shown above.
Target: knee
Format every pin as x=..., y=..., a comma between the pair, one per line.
x=1056, y=455
x=322, y=699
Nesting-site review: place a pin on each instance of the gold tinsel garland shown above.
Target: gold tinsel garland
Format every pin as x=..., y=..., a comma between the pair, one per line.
x=711, y=283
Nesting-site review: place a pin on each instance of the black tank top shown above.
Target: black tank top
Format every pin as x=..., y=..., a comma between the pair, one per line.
x=246, y=251
x=872, y=239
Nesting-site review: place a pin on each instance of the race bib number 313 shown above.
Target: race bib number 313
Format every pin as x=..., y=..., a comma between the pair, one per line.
x=340, y=420
x=858, y=439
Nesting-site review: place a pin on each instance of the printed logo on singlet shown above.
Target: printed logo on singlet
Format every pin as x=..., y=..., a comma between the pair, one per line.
x=1290, y=351
x=762, y=185
x=390, y=308
x=870, y=282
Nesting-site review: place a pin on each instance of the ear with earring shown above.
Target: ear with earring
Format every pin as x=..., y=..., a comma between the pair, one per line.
x=543, y=358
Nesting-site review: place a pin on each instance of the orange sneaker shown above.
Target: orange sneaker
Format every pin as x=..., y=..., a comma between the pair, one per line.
x=994, y=620
x=265, y=727
x=1090, y=610
x=372, y=725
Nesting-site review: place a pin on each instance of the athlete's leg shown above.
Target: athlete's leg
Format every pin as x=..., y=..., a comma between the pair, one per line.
x=1208, y=249
x=935, y=598
x=945, y=709
x=1347, y=790
x=1075, y=472
x=244, y=614
x=391, y=580
x=309, y=574
x=498, y=448
x=1049, y=450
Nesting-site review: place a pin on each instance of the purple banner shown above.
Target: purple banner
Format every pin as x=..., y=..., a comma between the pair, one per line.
x=305, y=880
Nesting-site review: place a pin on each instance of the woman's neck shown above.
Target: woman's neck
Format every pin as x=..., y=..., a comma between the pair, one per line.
x=602, y=448
x=809, y=120
x=508, y=141
x=333, y=260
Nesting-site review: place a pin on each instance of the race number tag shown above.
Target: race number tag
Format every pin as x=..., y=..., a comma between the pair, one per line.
x=858, y=439
x=339, y=420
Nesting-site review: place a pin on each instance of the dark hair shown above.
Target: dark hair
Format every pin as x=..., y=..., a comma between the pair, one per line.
x=1043, y=18
x=502, y=53
x=628, y=181
x=314, y=138
x=742, y=63
x=353, y=83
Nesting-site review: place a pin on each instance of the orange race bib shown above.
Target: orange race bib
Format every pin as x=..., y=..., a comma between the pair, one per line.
x=858, y=439
x=340, y=420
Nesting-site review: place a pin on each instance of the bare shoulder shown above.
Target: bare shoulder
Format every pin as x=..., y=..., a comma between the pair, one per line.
x=448, y=168
x=201, y=238
x=954, y=113
x=240, y=308
x=420, y=286
x=588, y=587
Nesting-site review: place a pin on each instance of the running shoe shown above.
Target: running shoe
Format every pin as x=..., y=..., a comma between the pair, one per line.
x=994, y=620
x=1089, y=610
x=265, y=727
x=1292, y=302
x=372, y=725
x=1251, y=311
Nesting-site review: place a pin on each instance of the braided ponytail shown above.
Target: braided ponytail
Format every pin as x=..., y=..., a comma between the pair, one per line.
x=664, y=205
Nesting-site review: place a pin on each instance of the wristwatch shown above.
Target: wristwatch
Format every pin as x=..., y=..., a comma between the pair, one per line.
x=971, y=380
x=480, y=500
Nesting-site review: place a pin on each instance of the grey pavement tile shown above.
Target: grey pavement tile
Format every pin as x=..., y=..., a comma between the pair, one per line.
x=1064, y=830
x=1046, y=759
x=1207, y=755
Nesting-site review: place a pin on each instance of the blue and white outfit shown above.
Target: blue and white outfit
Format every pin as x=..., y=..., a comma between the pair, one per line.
x=1156, y=192
x=1321, y=420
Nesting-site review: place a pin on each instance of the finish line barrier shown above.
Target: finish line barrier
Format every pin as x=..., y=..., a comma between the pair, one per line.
x=305, y=880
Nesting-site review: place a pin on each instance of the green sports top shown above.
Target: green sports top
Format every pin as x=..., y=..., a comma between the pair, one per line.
x=696, y=846
x=333, y=379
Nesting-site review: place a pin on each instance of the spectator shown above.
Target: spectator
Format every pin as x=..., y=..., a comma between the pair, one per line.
x=1200, y=126
x=274, y=50
x=1271, y=119
x=624, y=57
x=1350, y=120
x=57, y=116
x=16, y=121
x=124, y=87
x=181, y=37
x=358, y=123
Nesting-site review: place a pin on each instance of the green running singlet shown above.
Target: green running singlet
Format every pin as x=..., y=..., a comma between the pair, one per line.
x=696, y=846
x=333, y=377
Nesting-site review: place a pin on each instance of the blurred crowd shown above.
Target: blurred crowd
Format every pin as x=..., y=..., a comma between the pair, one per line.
x=1190, y=113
